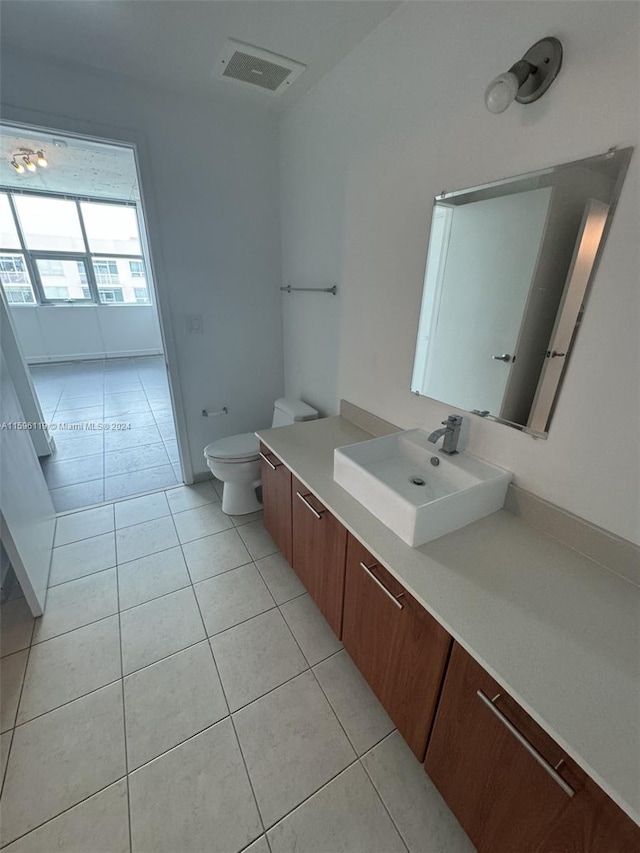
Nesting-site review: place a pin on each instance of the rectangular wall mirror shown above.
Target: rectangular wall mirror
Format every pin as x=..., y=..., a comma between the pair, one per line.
x=508, y=271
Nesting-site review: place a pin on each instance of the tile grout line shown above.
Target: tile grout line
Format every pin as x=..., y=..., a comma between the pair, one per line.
x=309, y=666
x=123, y=498
x=208, y=639
x=224, y=693
x=14, y=726
x=124, y=708
x=64, y=811
x=155, y=598
x=359, y=757
x=380, y=797
x=357, y=760
x=142, y=390
x=86, y=624
x=70, y=701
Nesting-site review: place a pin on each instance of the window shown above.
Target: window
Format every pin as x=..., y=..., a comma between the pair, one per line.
x=114, y=294
x=8, y=232
x=63, y=280
x=82, y=273
x=15, y=280
x=51, y=267
x=106, y=271
x=13, y=269
x=50, y=224
x=77, y=250
x=19, y=295
x=111, y=229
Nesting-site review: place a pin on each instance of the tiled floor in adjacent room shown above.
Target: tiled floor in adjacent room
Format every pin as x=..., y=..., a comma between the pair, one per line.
x=183, y=694
x=94, y=465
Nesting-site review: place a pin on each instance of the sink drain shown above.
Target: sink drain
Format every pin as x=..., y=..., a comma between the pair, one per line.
x=417, y=481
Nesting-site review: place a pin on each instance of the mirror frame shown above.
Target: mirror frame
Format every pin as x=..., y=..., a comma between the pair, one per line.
x=578, y=281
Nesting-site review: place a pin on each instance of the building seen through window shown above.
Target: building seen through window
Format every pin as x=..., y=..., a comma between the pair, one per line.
x=70, y=250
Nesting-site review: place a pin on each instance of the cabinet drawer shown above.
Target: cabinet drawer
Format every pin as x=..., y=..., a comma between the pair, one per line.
x=399, y=648
x=509, y=784
x=276, y=500
x=319, y=547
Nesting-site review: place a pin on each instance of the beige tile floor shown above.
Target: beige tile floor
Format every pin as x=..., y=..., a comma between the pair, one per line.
x=183, y=694
x=91, y=465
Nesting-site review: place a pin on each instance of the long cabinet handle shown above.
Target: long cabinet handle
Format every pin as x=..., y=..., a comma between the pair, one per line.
x=387, y=592
x=316, y=512
x=268, y=461
x=533, y=752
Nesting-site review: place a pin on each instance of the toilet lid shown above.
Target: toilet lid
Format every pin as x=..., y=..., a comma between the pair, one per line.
x=234, y=448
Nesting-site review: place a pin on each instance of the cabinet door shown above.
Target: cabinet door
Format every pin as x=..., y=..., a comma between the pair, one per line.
x=494, y=766
x=319, y=546
x=592, y=823
x=276, y=500
x=399, y=648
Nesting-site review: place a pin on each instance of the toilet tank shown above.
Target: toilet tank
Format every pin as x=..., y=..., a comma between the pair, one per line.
x=288, y=410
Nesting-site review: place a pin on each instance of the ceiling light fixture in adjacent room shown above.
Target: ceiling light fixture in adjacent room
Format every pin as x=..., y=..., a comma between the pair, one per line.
x=528, y=79
x=28, y=159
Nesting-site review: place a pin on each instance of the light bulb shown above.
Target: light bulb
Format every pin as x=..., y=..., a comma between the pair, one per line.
x=17, y=166
x=30, y=166
x=42, y=160
x=501, y=92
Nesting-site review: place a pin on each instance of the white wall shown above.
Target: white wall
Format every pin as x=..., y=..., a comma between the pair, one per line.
x=213, y=223
x=397, y=121
x=72, y=332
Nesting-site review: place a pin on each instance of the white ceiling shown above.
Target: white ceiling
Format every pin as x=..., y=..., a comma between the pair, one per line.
x=175, y=44
x=76, y=166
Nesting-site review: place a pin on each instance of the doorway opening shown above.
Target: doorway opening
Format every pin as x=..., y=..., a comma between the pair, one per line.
x=76, y=273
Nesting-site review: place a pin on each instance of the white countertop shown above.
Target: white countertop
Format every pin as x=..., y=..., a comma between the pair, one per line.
x=558, y=631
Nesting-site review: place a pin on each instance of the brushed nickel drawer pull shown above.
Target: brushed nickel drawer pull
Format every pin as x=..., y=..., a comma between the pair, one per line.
x=533, y=752
x=269, y=462
x=387, y=592
x=316, y=512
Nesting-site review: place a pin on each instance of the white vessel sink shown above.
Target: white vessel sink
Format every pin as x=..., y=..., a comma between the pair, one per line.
x=395, y=479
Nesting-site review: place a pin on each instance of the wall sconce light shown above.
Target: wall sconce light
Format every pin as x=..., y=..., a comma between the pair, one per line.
x=27, y=158
x=528, y=79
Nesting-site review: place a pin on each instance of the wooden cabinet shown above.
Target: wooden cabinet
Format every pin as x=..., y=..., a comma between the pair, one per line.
x=276, y=500
x=509, y=784
x=319, y=546
x=398, y=647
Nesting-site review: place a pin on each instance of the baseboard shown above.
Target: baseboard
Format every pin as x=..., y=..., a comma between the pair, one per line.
x=91, y=356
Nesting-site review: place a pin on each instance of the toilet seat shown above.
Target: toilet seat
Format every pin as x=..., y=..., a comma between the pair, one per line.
x=235, y=448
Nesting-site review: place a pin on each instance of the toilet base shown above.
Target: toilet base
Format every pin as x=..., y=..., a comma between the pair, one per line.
x=240, y=498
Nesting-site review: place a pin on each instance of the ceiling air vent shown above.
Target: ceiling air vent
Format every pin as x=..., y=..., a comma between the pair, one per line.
x=256, y=67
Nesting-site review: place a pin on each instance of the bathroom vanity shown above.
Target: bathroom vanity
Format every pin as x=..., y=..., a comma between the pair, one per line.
x=507, y=660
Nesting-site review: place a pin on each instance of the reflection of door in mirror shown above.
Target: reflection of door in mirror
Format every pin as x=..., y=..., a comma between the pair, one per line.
x=475, y=293
x=434, y=273
x=586, y=248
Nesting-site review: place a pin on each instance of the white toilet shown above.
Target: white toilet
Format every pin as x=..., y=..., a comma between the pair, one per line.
x=236, y=460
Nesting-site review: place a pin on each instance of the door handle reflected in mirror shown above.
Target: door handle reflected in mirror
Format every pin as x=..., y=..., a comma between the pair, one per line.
x=505, y=357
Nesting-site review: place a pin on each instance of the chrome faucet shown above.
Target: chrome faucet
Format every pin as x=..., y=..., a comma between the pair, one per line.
x=451, y=433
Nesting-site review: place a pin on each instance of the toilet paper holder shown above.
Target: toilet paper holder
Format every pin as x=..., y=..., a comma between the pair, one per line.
x=222, y=411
